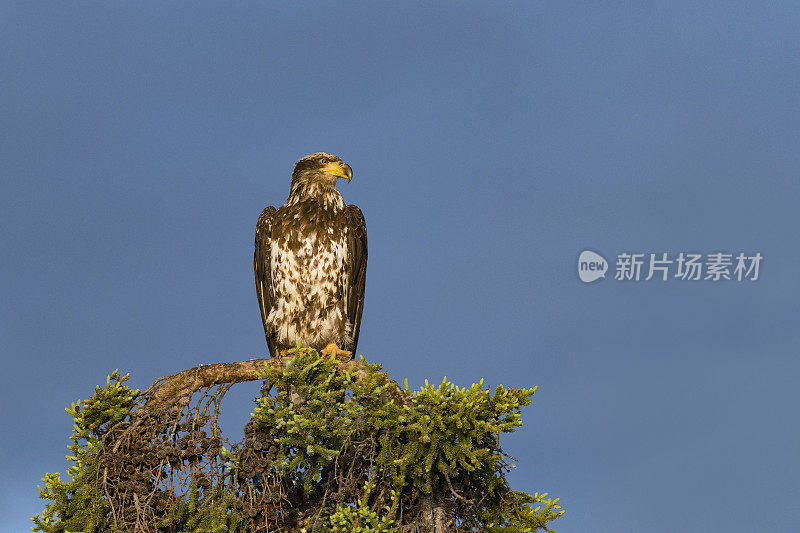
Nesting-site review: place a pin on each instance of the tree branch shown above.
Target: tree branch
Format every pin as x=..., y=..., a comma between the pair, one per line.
x=169, y=390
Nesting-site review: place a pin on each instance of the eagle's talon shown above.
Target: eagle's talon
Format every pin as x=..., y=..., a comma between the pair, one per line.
x=335, y=351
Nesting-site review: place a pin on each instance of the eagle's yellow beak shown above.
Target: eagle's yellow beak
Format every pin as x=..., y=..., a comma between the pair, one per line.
x=342, y=170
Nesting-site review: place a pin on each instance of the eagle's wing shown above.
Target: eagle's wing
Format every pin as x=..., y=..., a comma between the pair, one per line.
x=356, y=268
x=261, y=261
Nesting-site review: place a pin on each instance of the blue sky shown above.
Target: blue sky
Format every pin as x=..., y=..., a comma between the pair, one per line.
x=491, y=143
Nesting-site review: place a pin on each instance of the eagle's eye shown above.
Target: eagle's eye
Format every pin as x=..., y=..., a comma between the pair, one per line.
x=324, y=161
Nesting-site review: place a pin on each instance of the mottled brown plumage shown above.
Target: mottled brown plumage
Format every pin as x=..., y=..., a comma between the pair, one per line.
x=310, y=261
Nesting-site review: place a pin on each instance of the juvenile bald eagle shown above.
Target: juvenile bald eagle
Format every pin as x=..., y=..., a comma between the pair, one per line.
x=311, y=261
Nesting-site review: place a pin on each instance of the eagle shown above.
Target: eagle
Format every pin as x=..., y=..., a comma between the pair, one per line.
x=310, y=262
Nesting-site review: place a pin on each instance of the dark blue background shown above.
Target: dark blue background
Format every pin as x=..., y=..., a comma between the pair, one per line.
x=491, y=144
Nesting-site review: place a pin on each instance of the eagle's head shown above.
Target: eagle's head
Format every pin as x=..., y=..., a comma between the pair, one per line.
x=321, y=169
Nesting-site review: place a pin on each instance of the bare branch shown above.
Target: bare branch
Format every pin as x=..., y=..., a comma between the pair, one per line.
x=171, y=389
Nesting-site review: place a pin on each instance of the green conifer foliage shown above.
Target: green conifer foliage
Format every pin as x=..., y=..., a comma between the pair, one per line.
x=77, y=505
x=331, y=449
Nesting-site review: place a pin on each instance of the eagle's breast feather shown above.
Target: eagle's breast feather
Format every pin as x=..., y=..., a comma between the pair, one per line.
x=307, y=262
